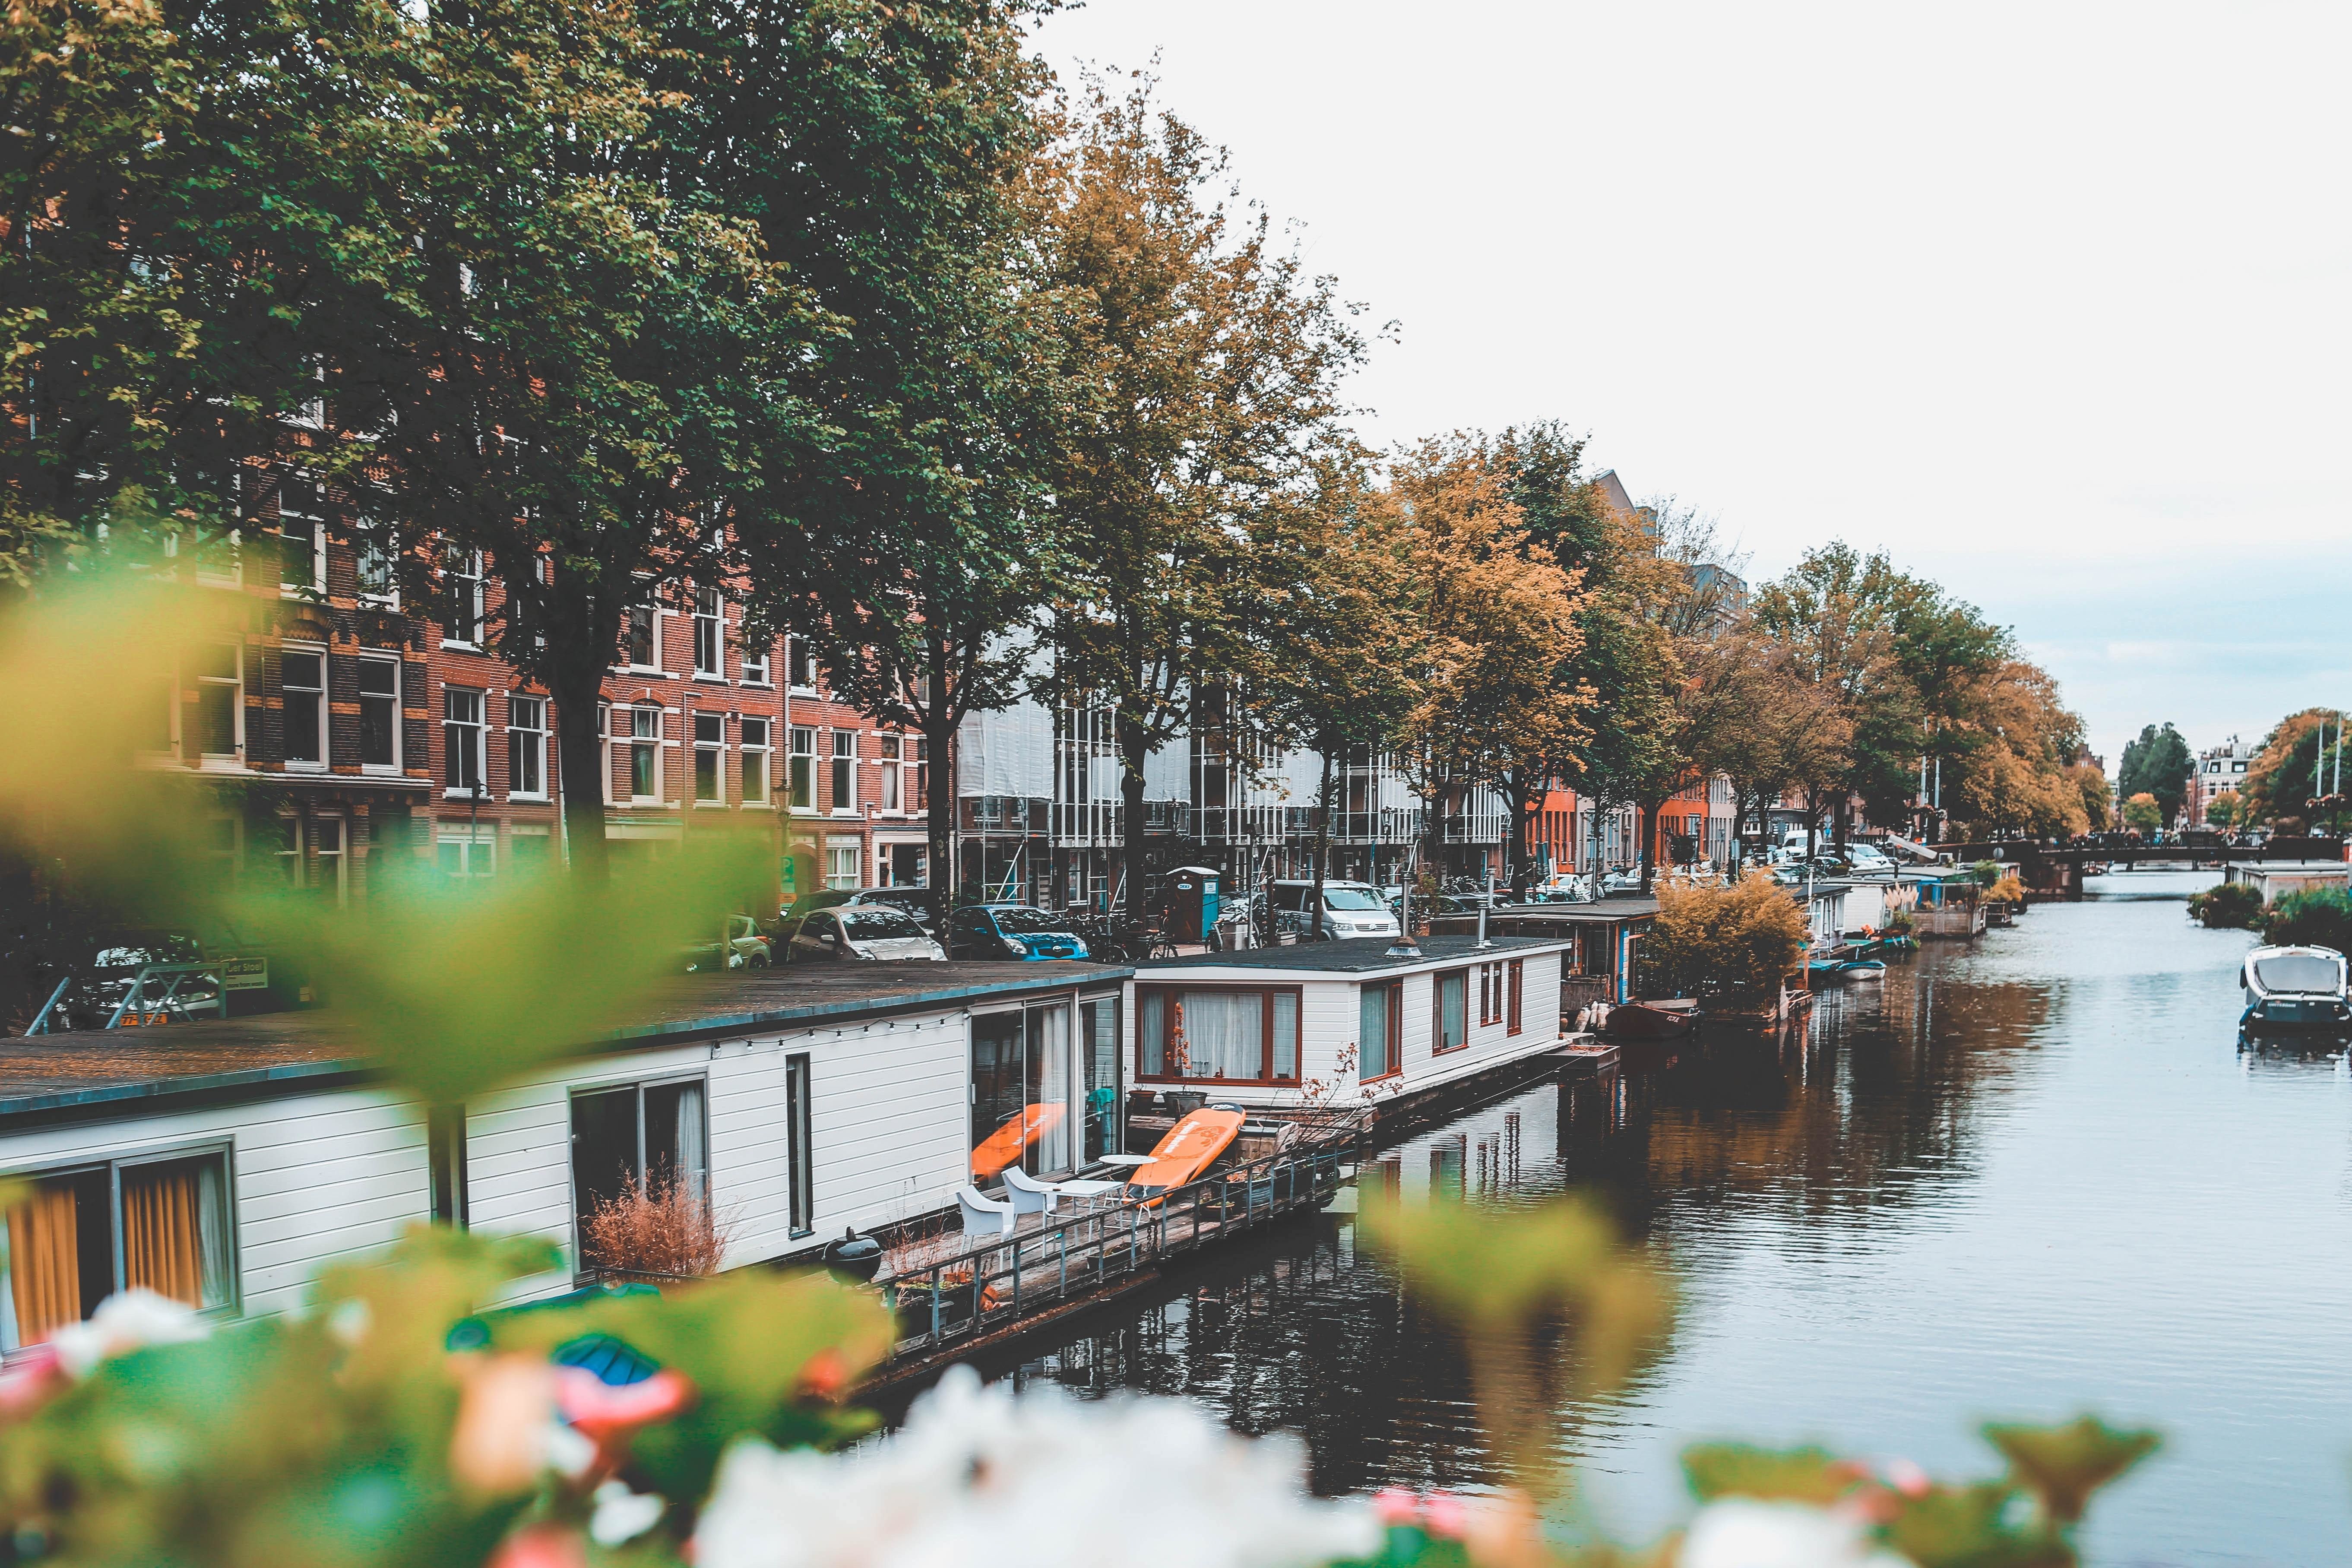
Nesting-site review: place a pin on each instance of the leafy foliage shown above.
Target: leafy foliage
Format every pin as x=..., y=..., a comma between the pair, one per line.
x=2317, y=916
x=2143, y=812
x=2157, y=766
x=1723, y=941
x=2227, y=906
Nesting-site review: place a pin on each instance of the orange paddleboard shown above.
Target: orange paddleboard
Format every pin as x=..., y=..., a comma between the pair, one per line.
x=1185, y=1152
x=1003, y=1146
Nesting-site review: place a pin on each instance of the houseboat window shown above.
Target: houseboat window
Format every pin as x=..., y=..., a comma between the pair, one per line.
x=1098, y=1054
x=172, y=1216
x=1021, y=1091
x=1377, y=1016
x=1517, y=1002
x=445, y=1148
x=797, y=1129
x=628, y=1137
x=1490, y=992
x=1226, y=1033
x=1452, y=1011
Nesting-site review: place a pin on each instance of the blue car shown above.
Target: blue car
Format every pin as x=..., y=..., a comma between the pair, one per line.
x=1011, y=931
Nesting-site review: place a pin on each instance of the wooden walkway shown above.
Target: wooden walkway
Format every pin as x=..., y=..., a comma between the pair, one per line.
x=967, y=1292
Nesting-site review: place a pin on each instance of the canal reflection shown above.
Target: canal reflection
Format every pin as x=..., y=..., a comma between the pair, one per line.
x=2025, y=1177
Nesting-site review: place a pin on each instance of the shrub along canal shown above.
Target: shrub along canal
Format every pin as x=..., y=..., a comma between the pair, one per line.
x=2023, y=1179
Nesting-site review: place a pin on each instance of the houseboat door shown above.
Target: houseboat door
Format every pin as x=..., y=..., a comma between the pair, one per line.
x=1021, y=1091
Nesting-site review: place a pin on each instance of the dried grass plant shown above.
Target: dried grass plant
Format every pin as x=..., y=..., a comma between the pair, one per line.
x=666, y=1227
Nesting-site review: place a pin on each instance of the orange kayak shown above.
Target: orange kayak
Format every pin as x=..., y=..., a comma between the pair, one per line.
x=1004, y=1146
x=1187, y=1151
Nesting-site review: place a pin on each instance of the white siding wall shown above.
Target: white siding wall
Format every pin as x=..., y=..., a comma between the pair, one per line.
x=318, y=1177
x=337, y=1173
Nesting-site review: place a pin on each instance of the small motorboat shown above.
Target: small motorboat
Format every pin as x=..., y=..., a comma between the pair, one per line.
x=1189, y=1148
x=1643, y=1021
x=2295, y=988
x=1005, y=1145
x=1825, y=971
x=1856, y=971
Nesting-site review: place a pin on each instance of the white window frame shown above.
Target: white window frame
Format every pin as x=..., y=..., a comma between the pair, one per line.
x=718, y=759
x=368, y=661
x=367, y=530
x=320, y=863
x=834, y=757
x=834, y=849
x=173, y=719
x=323, y=727
x=892, y=762
x=476, y=846
x=234, y=758
x=225, y=1149
x=456, y=731
x=535, y=733
x=755, y=665
x=470, y=561
x=795, y=652
x=710, y=628
x=800, y=752
x=638, y=740
x=604, y=741
x=316, y=516
x=755, y=759
x=652, y=609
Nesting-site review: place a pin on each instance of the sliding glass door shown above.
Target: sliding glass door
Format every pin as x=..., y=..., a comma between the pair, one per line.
x=1024, y=1104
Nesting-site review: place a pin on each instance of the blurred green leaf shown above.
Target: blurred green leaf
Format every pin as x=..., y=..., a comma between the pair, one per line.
x=1970, y=1527
x=1735, y=1469
x=2062, y=1465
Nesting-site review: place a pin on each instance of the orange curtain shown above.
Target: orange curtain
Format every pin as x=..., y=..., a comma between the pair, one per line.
x=45, y=1263
x=161, y=1246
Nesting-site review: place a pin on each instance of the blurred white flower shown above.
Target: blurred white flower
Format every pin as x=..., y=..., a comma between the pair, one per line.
x=127, y=1320
x=1061, y=1483
x=621, y=1514
x=1747, y=1533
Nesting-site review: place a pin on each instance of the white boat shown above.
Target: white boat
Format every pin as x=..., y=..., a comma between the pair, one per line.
x=2295, y=988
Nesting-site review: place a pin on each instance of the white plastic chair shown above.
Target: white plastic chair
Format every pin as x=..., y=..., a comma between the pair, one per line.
x=1026, y=1194
x=985, y=1215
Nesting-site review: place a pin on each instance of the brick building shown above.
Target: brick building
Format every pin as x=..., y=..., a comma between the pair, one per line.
x=331, y=725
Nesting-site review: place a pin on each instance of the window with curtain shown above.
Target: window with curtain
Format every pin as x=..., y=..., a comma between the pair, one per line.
x=1452, y=1011
x=628, y=1135
x=1377, y=1029
x=173, y=1217
x=1240, y=1035
x=1098, y=1052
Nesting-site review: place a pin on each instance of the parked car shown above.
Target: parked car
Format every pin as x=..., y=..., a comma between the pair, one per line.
x=1628, y=880
x=1869, y=860
x=745, y=949
x=856, y=930
x=1349, y=909
x=1011, y=930
x=920, y=904
x=800, y=909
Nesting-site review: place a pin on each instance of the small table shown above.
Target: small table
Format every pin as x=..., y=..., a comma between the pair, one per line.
x=1137, y=1159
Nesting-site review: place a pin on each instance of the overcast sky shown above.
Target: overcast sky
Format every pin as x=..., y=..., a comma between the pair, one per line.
x=2051, y=302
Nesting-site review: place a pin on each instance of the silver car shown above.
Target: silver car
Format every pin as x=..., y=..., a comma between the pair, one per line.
x=860, y=932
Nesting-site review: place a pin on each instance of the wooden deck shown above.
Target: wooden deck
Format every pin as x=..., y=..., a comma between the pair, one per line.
x=964, y=1293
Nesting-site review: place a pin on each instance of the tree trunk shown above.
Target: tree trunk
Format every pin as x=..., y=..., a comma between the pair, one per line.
x=1646, y=820
x=1134, y=746
x=1514, y=865
x=938, y=812
x=580, y=758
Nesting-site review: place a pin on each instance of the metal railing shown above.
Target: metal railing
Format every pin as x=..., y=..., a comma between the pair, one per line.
x=140, y=1008
x=997, y=1281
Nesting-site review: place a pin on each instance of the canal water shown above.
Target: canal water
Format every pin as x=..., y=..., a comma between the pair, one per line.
x=2027, y=1177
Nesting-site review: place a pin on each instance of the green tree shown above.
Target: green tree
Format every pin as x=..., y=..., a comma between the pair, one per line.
x=1723, y=941
x=2143, y=814
x=2296, y=763
x=2224, y=811
x=1836, y=612
x=1207, y=363
x=2156, y=764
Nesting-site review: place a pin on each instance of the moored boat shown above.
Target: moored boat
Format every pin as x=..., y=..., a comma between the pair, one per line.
x=1188, y=1149
x=1856, y=970
x=2295, y=988
x=1640, y=1021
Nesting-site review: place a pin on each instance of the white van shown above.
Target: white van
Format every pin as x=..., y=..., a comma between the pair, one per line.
x=1349, y=909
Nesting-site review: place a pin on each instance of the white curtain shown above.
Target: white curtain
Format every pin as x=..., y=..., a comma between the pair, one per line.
x=1049, y=1041
x=1285, y=1035
x=1224, y=1034
x=1373, y=1025
x=693, y=1151
x=217, y=1262
x=1152, y=1010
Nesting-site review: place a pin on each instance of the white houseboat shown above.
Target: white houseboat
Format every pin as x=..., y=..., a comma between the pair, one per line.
x=1273, y=1029
x=225, y=1162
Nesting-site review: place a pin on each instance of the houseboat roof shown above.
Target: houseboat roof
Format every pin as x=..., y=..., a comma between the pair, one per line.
x=87, y=1068
x=1618, y=907
x=1356, y=955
